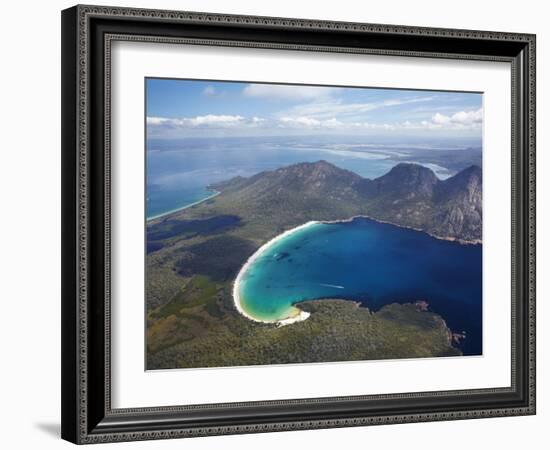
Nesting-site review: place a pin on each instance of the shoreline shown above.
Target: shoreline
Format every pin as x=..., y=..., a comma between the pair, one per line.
x=435, y=236
x=190, y=205
x=303, y=315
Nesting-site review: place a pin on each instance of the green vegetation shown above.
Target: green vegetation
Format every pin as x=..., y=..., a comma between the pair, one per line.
x=337, y=330
x=195, y=254
x=220, y=258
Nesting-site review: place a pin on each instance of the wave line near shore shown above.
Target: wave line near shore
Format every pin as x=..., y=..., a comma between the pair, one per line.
x=190, y=205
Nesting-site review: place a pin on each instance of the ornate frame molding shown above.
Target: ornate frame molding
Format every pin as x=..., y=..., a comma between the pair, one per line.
x=87, y=422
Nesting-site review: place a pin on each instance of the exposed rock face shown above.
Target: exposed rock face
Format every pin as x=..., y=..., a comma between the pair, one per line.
x=408, y=195
x=459, y=201
x=405, y=182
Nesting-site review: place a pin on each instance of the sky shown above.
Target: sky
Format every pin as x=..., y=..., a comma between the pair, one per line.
x=194, y=108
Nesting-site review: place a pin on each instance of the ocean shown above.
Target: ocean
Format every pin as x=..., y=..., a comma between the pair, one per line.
x=373, y=263
x=180, y=171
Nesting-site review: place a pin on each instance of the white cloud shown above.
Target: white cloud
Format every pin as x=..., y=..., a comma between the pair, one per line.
x=333, y=123
x=212, y=119
x=460, y=121
x=209, y=91
x=461, y=118
x=287, y=92
x=209, y=120
x=299, y=122
x=156, y=120
x=441, y=119
x=468, y=117
x=331, y=108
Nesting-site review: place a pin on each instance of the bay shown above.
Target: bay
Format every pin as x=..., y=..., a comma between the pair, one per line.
x=370, y=262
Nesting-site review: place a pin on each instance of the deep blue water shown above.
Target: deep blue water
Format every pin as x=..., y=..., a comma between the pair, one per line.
x=374, y=263
x=179, y=171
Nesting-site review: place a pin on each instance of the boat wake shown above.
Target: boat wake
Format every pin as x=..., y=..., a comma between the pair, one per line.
x=335, y=286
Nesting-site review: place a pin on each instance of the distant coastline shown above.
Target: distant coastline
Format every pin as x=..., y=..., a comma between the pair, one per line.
x=158, y=216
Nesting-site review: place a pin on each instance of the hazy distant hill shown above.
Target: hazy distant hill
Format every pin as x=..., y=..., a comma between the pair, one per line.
x=409, y=195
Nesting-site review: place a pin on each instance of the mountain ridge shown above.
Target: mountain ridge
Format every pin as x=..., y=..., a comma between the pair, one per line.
x=195, y=254
x=408, y=195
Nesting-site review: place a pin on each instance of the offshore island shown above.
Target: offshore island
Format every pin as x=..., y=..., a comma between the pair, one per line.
x=211, y=267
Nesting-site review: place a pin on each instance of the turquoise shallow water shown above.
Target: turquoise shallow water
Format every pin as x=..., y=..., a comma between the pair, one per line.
x=373, y=263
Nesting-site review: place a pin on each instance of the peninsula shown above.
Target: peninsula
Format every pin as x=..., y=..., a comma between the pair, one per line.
x=195, y=255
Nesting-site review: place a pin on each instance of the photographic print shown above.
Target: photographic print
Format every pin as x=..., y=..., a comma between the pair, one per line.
x=306, y=224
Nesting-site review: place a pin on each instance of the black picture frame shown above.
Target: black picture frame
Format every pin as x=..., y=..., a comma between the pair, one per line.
x=87, y=415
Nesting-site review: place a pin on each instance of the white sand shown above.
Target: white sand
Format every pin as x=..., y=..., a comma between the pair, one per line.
x=301, y=315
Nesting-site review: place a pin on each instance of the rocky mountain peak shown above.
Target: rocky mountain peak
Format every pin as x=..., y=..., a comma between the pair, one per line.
x=409, y=194
x=407, y=180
